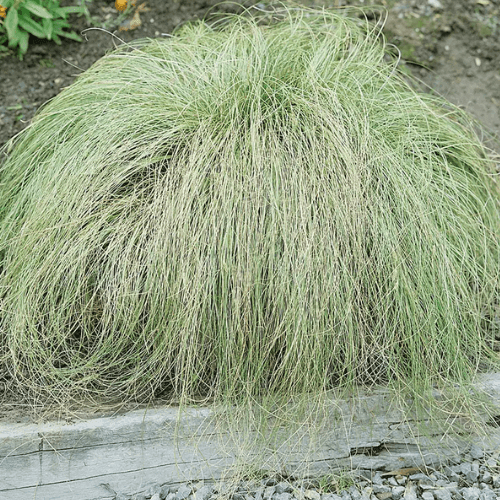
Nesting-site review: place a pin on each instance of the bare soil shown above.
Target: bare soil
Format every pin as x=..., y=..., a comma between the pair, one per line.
x=453, y=46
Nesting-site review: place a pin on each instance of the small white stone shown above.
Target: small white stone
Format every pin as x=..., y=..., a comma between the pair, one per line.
x=312, y=495
x=446, y=47
x=478, y=61
x=435, y=3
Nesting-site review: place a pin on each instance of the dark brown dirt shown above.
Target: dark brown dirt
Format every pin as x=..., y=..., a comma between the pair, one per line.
x=453, y=46
x=47, y=68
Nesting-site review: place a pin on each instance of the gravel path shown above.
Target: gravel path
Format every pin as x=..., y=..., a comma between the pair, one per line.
x=475, y=477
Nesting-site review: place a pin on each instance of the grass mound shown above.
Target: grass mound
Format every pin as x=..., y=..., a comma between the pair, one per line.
x=261, y=206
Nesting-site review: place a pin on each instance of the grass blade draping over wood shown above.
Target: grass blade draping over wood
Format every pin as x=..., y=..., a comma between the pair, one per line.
x=258, y=207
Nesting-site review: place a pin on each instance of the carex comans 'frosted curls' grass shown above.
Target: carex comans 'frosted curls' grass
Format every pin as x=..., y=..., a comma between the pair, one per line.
x=258, y=207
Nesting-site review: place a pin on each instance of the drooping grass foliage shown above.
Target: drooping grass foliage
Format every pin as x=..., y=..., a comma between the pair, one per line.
x=258, y=207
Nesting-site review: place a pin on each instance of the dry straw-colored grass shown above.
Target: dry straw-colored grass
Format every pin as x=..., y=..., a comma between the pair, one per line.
x=258, y=207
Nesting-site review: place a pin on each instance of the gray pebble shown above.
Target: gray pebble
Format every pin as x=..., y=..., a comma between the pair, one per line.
x=366, y=494
x=447, y=471
x=442, y=494
x=383, y=496
x=487, y=494
x=364, y=474
x=398, y=492
x=270, y=481
x=486, y=477
x=164, y=491
x=203, y=493
x=438, y=475
x=481, y=479
x=355, y=494
x=476, y=452
x=268, y=492
x=426, y=487
x=283, y=487
x=420, y=477
x=464, y=468
x=471, y=493
x=345, y=495
x=453, y=476
x=473, y=475
x=425, y=482
x=411, y=492
x=153, y=490
x=455, y=491
x=183, y=492
x=381, y=488
x=282, y=496
x=337, y=497
x=259, y=492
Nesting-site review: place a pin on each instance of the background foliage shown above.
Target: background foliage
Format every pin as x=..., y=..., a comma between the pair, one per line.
x=44, y=19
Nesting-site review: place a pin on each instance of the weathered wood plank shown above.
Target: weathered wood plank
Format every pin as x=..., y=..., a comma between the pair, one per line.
x=94, y=488
x=61, y=460
x=52, y=465
x=25, y=438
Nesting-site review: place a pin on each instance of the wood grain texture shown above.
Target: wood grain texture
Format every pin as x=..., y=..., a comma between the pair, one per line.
x=90, y=459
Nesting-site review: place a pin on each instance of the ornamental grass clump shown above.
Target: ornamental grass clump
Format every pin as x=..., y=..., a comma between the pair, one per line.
x=254, y=208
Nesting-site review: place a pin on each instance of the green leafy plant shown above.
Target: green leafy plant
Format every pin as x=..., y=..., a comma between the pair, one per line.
x=41, y=18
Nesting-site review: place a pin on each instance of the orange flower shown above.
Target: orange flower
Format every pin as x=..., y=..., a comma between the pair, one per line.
x=3, y=11
x=121, y=5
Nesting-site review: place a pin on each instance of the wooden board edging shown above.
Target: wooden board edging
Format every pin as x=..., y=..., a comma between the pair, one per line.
x=88, y=459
